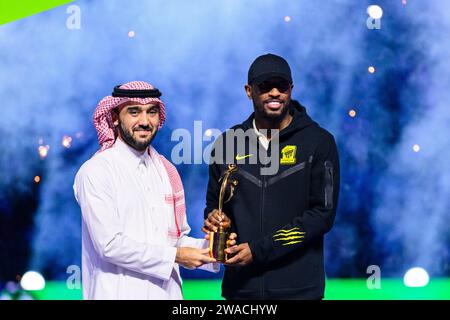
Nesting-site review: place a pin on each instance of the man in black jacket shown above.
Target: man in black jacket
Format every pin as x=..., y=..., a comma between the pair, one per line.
x=287, y=192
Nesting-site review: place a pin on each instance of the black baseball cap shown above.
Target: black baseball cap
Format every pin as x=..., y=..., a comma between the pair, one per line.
x=267, y=66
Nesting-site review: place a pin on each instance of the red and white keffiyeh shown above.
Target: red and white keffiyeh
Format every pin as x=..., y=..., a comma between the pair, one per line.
x=103, y=123
x=107, y=134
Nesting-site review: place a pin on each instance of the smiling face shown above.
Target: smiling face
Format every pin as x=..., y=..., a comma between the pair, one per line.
x=271, y=99
x=138, y=124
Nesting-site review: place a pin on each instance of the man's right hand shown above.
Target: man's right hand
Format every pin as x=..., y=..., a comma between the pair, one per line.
x=192, y=258
x=214, y=220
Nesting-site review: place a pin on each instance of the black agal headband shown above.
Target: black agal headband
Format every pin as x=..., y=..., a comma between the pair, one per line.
x=148, y=93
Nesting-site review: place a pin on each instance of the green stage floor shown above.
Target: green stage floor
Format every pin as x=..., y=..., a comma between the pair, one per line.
x=336, y=289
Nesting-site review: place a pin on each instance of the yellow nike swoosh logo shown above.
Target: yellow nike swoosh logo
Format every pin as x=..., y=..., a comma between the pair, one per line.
x=239, y=157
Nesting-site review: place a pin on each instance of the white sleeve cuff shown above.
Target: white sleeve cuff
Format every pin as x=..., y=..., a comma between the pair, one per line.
x=167, y=263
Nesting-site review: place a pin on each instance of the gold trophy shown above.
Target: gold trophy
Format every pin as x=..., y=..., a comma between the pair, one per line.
x=218, y=240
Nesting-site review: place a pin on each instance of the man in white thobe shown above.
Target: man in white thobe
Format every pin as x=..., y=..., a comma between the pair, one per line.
x=135, y=230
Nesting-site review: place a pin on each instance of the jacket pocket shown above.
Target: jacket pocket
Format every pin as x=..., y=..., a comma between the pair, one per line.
x=328, y=184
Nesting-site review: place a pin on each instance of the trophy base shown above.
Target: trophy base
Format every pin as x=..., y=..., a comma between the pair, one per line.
x=217, y=245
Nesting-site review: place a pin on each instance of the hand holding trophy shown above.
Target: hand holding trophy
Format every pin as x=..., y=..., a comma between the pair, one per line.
x=218, y=240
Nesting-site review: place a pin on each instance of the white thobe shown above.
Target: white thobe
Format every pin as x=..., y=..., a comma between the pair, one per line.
x=128, y=242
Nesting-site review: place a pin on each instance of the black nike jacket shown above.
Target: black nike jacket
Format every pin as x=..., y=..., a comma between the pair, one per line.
x=283, y=216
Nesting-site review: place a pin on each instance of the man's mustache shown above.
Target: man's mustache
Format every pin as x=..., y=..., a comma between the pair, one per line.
x=143, y=129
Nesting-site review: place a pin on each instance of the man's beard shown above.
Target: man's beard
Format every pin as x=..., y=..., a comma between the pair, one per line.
x=138, y=145
x=272, y=117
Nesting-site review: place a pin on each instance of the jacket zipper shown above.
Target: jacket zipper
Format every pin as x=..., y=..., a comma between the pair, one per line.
x=263, y=188
x=261, y=227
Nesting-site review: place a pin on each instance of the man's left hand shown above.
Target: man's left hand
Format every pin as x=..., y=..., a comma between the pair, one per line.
x=241, y=255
